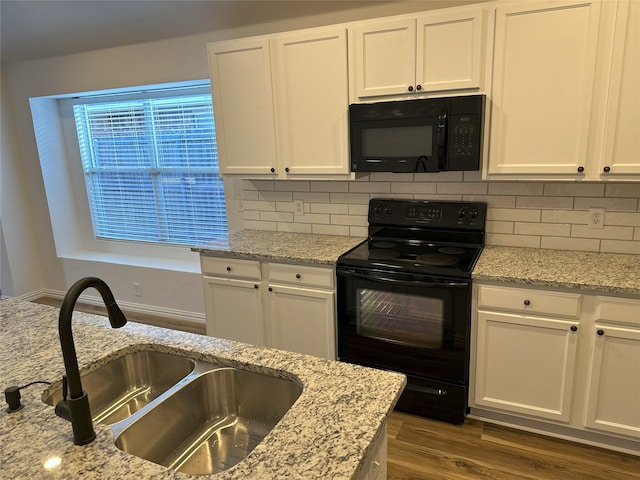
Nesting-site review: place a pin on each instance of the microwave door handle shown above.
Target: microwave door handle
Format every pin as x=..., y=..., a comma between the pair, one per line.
x=396, y=281
x=443, y=120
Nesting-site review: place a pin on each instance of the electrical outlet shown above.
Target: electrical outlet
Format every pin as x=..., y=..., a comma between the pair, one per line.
x=596, y=218
x=240, y=205
x=137, y=289
x=298, y=207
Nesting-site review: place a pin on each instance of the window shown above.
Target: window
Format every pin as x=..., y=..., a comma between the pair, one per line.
x=151, y=168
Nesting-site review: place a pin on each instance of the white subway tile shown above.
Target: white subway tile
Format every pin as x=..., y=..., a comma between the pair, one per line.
x=338, y=208
x=285, y=206
x=251, y=215
x=565, y=216
x=610, y=232
x=330, y=229
x=506, y=240
x=414, y=187
x=616, y=204
x=294, y=227
x=314, y=197
x=259, y=205
x=438, y=177
x=636, y=233
x=312, y=218
x=619, y=218
x=358, y=231
x=370, y=187
x=259, y=185
x=513, y=214
x=515, y=188
x=328, y=186
x=276, y=216
x=623, y=190
x=498, y=227
x=250, y=194
x=464, y=188
x=439, y=197
x=275, y=196
x=472, y=176
x=259, y=225
x=359, y=198
x=565, y=243
x=390, y=177
x=358, y=210
x=620, y=246
x=574, y=189
x=292, y=186
x=355, y=220
x=543, y=229
x=553, y=203
x=504, y=201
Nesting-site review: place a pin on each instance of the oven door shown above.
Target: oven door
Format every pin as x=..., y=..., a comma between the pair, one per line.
x=414, y=324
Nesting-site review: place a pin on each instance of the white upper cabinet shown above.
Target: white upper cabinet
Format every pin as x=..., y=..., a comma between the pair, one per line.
x=312, y=102
x=565, y=97
x=281, y=105
x=433, y=52
x=243, y=105
x=621, y=154
x=543, y=77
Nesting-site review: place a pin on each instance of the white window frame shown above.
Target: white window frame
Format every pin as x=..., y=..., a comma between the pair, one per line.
x=63, y=177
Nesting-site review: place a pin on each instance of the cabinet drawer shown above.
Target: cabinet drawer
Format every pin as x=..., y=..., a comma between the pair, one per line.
x=618, y=310
x=301, y=275
x=230, y=267
x=529, y=301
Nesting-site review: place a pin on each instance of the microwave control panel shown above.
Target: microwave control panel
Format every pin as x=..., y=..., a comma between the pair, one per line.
x=464, y=139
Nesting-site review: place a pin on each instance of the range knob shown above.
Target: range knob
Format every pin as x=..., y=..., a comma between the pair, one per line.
x=377, y=210
x=461, y=213
x=387, y=210
x=473, y=214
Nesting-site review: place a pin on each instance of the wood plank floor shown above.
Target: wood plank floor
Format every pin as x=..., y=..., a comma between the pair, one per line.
x=424, y=449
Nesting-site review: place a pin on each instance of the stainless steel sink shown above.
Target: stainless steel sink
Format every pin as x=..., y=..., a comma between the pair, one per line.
x=210, y=423
x=127, y=383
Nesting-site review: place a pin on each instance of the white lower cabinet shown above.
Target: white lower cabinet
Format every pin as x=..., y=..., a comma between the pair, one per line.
x=561, y=358
x=613, y=401
x=524, y=364
x=285, y=306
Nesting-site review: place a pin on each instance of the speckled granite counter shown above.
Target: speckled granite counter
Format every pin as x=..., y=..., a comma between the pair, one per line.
x=282, y=246
x=599, y=272
x=325, y=435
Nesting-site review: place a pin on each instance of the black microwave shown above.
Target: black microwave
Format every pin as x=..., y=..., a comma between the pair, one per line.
x=425, y=135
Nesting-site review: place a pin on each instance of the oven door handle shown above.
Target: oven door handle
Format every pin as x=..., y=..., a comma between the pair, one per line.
x=397, y=281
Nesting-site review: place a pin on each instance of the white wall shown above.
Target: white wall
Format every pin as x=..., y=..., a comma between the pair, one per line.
x=32, y=266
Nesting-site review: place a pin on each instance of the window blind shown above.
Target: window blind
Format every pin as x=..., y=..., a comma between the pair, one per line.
x=151, y=169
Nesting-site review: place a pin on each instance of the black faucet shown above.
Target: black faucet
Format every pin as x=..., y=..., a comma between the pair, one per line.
x=74, y=405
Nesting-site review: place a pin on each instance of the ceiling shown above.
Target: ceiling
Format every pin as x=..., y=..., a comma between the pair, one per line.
x=32, y=29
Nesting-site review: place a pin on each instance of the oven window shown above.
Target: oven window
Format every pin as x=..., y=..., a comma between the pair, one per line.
x=400, y=318
x=391, y=142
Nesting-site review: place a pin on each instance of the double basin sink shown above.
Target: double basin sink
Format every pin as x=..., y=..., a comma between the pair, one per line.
x=191, y=416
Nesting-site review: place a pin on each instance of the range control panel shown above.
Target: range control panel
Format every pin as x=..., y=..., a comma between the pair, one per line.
x=434, y=214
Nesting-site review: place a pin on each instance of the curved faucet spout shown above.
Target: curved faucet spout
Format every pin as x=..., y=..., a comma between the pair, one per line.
x=75, y=405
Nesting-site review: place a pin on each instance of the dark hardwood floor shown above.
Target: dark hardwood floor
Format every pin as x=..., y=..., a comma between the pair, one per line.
x=424, y=449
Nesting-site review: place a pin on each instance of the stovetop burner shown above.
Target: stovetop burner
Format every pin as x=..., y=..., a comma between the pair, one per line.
x=425, y=237
x=437, y=259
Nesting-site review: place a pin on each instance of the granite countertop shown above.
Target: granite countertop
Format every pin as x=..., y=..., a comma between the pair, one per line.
x=326, y=434
x=598, y=272
x=282, y=246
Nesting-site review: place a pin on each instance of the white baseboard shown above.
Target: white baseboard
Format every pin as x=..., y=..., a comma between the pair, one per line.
x=172, y=313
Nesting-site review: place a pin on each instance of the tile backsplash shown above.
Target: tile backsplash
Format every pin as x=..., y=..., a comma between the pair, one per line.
x=522, y=214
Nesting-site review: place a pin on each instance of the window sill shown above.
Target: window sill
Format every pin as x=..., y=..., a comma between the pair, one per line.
x=189, y=265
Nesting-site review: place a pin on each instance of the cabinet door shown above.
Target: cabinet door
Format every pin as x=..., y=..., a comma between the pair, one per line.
x=243, y=106
x=302, y=320
x=525, y=364
x=613, y=401
x=234, y=310
x=384, y=60
x=622, y=142
x=450, y=50
x=544, y=61
x=312, y=102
